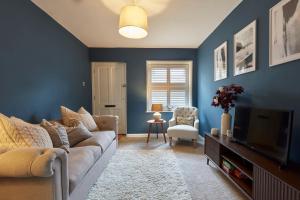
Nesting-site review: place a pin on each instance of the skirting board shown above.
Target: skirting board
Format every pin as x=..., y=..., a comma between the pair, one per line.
x=200, y=141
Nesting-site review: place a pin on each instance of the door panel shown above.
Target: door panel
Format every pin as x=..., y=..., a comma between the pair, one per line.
x=109, y=91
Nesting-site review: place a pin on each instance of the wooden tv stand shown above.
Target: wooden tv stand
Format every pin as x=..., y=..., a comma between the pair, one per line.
x=263, y=178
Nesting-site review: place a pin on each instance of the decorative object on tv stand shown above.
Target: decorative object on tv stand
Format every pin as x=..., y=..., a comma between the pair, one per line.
x=214, y=132
x=225, y=97
x=229, y=133
x=244, y=53
x=157, y=108
x=284, y=32
x=133, y=22
x=220, y=62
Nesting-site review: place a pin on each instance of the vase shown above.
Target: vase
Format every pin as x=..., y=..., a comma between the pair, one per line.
x=225, y=123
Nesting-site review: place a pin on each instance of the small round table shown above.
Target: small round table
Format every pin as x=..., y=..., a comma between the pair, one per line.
x=160, y=123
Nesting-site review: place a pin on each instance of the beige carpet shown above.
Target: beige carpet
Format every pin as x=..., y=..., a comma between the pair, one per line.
x=204, y=182
x=141, y=174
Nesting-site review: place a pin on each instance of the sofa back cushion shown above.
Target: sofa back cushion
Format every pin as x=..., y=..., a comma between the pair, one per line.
x=82, y=115
x=15, y=133
x=58, y=135
x=185, y=115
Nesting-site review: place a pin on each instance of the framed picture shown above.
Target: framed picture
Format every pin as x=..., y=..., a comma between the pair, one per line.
x=220, y=62
x=244, y=55
x=284, y=44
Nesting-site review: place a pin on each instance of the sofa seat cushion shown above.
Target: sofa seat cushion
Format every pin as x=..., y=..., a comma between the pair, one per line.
x=183, y=131
x=81, y=159
x=102, y=139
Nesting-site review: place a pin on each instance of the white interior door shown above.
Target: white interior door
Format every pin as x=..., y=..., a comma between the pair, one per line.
x=109, y=91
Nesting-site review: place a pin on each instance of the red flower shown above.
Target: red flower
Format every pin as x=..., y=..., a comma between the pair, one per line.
x=226, y=95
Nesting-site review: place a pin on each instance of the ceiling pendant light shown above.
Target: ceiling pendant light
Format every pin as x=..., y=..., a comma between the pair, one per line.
x=133, y=22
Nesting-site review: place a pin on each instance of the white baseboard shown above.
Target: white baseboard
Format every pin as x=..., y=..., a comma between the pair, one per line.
x=132, y=135
x=136, y=134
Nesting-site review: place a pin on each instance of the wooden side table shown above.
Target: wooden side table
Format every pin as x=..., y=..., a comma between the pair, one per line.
x=152, y=123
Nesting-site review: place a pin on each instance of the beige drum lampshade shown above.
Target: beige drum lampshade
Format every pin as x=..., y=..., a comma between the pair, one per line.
x=133, y=22
x=157, y=108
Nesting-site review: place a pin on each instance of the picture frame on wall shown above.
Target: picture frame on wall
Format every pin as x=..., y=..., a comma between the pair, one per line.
x=284, y=44
x=220, y=62
x=244, y=55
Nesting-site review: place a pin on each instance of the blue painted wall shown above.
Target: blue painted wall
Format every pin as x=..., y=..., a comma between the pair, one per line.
x=275, y=87
x=42, y=65
x=135, y=59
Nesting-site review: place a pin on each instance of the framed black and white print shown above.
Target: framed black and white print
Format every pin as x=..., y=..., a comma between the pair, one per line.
x=220, y=62
x=244, y=55
x=284, y=44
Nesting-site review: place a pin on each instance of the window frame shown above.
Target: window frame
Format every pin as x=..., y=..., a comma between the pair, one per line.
x=168, y=64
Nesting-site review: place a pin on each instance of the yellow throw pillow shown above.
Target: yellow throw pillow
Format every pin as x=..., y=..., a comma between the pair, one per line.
x=9, y=134
x=82, y=115
x=15, y=133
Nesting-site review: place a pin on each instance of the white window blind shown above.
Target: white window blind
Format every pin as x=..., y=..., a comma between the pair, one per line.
x=169, y=83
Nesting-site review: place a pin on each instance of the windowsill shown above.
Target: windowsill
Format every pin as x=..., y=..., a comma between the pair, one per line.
x=160, y=112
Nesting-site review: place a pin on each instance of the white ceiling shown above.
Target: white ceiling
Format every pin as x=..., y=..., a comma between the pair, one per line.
x=172, y=23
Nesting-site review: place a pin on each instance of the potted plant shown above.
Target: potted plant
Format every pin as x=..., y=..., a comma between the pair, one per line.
x=225, y=98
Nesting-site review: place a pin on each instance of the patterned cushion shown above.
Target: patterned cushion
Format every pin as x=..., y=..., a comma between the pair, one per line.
x=77, y=133
x=82, y=115
x=185, y=121
x=58, y=135
x=15, y=133
x=9, y=137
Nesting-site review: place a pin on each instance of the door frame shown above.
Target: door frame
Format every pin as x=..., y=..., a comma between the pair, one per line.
x=93, y=66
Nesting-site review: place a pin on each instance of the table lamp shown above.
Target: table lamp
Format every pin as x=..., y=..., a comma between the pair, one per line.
x=157, y=108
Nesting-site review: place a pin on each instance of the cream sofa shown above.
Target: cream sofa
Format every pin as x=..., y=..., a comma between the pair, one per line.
x=52, y=174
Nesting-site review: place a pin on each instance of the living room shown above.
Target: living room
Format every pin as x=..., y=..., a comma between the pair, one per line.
x=164, y=99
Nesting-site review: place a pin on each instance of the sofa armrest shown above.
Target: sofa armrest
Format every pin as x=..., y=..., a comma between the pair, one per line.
x=38, y=172
x=31, y=162
x=196, y=124
x=107, y=122
x=172, y=122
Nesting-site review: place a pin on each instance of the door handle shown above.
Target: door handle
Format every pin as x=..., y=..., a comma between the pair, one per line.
x=110, y=106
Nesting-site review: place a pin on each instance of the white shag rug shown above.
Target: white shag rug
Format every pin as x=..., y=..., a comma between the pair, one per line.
x=142, y=175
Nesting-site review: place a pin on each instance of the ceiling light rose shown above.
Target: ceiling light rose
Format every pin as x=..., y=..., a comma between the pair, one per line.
x=133, y=22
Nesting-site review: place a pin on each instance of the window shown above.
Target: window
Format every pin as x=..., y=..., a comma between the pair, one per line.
x=169, y=83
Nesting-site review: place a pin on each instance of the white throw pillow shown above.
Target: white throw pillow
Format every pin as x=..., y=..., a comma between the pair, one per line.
x=82, y=115
x=15, y=133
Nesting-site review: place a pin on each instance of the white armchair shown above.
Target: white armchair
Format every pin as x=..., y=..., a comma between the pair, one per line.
x=184, y=124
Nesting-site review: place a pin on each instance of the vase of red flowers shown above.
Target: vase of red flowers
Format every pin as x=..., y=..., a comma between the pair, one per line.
x=225, y=98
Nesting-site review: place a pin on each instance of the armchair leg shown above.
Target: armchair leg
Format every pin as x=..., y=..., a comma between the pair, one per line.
x=170, y=140
x=194, y=143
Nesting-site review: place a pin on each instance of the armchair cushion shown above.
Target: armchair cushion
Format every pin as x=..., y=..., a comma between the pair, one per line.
x=183, y=131
x=185, y=116
x=30, y=162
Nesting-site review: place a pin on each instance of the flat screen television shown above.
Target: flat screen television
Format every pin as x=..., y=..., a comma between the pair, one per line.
x=264, y=130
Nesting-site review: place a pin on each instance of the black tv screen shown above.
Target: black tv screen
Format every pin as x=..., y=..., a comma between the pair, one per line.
x=264, y=130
